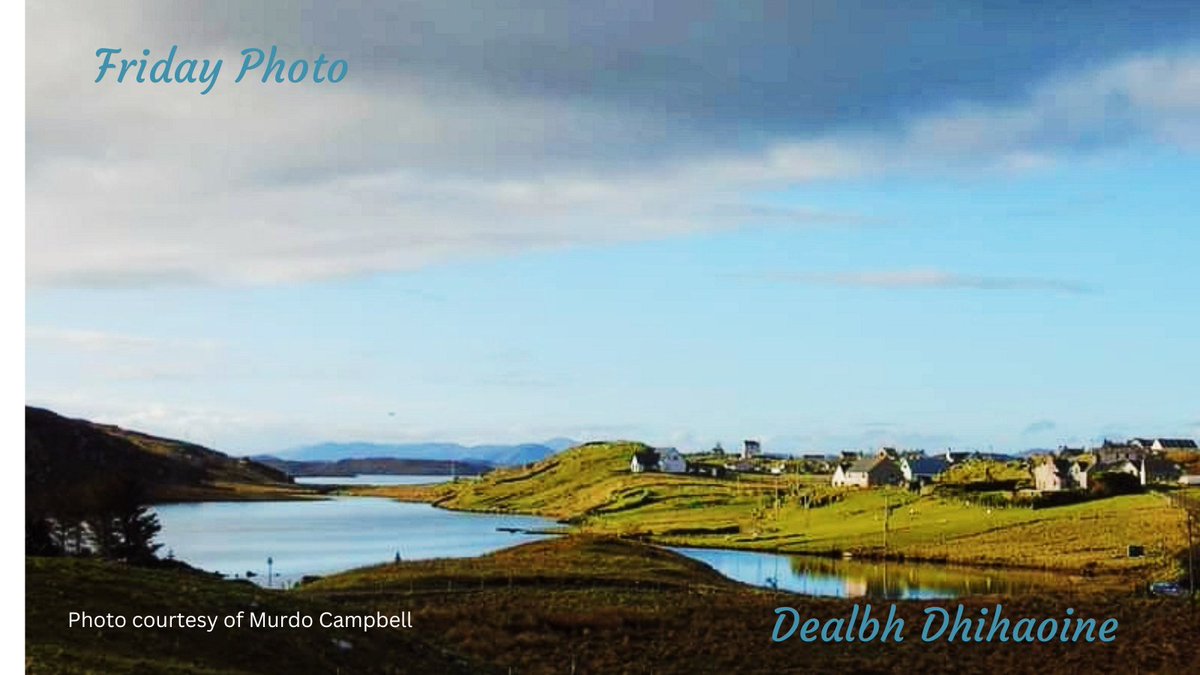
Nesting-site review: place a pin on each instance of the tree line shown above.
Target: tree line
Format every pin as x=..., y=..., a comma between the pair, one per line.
x=107, y=519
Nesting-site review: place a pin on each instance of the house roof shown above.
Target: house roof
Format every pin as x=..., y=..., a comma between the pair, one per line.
x=928, y=466
x=1061, y=466
x=1114, y=465
x=862, y=465
x=1178, y=443
x=865, y=464
x=646, y=457
x=1160, y=466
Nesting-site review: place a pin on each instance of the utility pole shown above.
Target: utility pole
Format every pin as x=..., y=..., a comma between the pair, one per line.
x=270, y=575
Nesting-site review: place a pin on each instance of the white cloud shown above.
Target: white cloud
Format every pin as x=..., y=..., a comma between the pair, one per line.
x=97, y=341
x=254, y=184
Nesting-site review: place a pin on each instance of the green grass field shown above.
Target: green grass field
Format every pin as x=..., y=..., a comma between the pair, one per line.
x=592, y=489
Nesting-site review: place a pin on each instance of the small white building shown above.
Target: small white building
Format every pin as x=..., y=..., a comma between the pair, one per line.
x=644, y=460
x=839, y=477
x=666, y=460
x=868, y=472
x=923, y=469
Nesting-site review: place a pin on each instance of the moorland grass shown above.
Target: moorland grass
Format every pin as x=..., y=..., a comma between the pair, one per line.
x=589, y=605
x=54, y=587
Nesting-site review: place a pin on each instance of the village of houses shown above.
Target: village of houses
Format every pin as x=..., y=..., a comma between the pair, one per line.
x=1068, y=469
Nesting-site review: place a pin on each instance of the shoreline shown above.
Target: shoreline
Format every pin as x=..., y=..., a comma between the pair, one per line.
x=1091, y=574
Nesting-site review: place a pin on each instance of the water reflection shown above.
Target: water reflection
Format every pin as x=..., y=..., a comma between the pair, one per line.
x=321, y=537
x=371, y=479
x=833, y=577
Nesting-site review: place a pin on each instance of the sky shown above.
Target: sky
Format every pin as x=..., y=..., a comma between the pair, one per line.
x=825, y=225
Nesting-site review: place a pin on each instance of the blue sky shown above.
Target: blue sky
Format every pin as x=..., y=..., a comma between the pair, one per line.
x=983, y=236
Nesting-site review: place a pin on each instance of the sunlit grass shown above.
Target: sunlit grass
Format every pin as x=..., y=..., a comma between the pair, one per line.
x=592, y=488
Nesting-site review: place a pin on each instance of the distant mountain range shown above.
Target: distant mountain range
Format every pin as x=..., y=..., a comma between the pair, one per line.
x=386, y=466
x=496, y=455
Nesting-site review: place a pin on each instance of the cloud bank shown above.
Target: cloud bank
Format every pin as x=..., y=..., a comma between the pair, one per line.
x=464, y=132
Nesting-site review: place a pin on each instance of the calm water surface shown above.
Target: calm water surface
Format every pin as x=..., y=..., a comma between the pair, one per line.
x=320, y=537
x=371, y=479
x=833, y=577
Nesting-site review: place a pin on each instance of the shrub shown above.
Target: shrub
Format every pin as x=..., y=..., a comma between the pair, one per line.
x=1111, y=484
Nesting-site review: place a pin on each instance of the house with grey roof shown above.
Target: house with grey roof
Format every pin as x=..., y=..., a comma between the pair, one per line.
x=869, y=472
x=1156, y=469
x=923, y=470
x=666, y=460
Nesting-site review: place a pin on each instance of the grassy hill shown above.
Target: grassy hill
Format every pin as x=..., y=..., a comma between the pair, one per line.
x=65, y=455
x=56, y=586
x=601, y=605
x=593, y=481
x=592, y=488
x=579, y=561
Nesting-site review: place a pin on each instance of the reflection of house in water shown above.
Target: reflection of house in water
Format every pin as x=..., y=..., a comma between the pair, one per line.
x=856, y=587
x=906, y=581
x=834, y=577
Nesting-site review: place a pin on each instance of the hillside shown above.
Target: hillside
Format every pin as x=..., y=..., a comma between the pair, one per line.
x=56, y=586
x=64, y=456
x=573, y=561
x=591, y=480
x=603, y=605
x=592, y=488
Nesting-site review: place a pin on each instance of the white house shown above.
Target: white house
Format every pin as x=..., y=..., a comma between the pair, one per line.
x=839, y=476
x=868, y=472
x=1052, y=474
x=644, y=460
x=1161, y=444
x=1117, y=466
x=923, y=469
x=666, y=460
